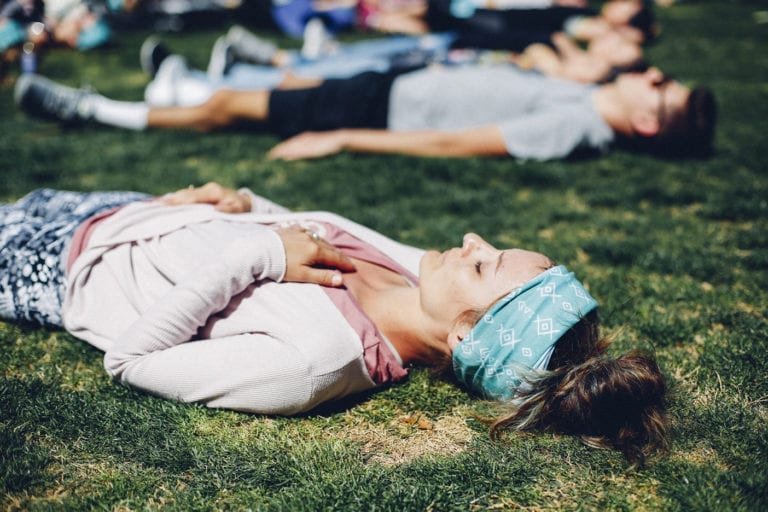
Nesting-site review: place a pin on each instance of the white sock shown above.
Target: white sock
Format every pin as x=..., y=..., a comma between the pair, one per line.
x=123, y=114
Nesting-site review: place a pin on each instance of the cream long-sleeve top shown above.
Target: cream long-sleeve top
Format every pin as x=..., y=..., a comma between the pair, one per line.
x=187, y=304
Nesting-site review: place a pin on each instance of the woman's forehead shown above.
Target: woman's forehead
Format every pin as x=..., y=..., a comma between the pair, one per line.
x=516, y=258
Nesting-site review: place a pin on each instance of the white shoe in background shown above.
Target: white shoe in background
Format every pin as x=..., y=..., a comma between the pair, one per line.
x=161, y=91
x=318, y=41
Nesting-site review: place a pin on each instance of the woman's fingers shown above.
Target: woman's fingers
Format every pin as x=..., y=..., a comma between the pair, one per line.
x=332, y=257
x=323, y=277
x=209, y=193
x=224, y=199
x=310, y=259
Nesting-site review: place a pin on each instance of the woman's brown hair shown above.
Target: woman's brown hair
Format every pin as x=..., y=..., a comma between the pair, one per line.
x=607, y=402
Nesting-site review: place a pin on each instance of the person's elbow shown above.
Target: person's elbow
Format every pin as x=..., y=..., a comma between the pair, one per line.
x=116, y=364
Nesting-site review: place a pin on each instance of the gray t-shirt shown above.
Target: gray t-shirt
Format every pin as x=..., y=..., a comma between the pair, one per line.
x=540, y=118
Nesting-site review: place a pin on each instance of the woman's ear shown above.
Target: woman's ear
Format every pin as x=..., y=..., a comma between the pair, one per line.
x=645, y=124
x=459, y=332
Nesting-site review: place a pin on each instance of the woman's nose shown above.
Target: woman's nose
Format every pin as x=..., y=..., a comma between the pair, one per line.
x=473, y=242
x=469, y=243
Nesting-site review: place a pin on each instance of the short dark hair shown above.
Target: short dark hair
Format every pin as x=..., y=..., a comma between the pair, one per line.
x=687, y=133
x=645, y=21
x=692, y=131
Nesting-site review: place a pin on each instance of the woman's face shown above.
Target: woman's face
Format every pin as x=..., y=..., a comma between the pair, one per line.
x=473, y=276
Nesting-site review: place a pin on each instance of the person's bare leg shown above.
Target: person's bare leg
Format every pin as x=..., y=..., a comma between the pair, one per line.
x=398, y=23
x=222, y=109
x=291, y=81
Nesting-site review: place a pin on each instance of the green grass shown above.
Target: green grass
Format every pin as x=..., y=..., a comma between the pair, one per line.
x=676, y=252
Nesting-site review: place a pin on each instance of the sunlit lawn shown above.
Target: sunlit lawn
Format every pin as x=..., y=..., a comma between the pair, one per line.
x=676, y=252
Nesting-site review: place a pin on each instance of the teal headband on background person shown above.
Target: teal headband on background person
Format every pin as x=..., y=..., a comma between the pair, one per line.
x=519, y=332
x=11, y=34
x=94, y=35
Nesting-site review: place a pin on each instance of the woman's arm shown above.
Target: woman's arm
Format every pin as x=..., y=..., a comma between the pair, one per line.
x=565, y=45
x=540, y=57
x=153, y=353
x=483, y=141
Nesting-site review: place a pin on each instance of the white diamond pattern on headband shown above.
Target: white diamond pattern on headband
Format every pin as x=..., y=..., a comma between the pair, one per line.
x=546, y=327
x=550, y=291
x=507, y=337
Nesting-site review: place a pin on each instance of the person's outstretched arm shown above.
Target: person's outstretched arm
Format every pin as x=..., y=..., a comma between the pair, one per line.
x=483, y=141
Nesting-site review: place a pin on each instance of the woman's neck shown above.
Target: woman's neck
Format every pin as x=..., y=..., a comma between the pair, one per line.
x=393, y=306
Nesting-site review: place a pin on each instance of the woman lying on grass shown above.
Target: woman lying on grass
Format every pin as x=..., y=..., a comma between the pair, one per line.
x=224, y=298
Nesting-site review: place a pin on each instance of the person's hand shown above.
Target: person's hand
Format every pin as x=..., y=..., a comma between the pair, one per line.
x=309, y=145
x=538, y=56
x=559, y=38
x=310, y=259
x=222, y=198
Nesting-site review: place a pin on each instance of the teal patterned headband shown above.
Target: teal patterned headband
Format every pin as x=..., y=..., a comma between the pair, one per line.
x=519, y=333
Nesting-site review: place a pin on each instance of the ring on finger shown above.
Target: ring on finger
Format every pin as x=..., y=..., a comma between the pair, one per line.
x=312, y=234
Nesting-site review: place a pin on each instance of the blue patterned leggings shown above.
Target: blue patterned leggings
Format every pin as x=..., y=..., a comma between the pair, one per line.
x=34, y=233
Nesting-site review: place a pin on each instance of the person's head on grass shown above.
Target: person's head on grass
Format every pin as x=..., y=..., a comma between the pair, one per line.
x=654, y=114
x=537, y=347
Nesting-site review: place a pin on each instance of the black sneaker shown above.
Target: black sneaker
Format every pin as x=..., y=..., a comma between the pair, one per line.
x=152, y=54
x=40, y=97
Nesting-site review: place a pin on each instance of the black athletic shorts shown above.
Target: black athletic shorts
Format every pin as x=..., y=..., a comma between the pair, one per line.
x=361, y=101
